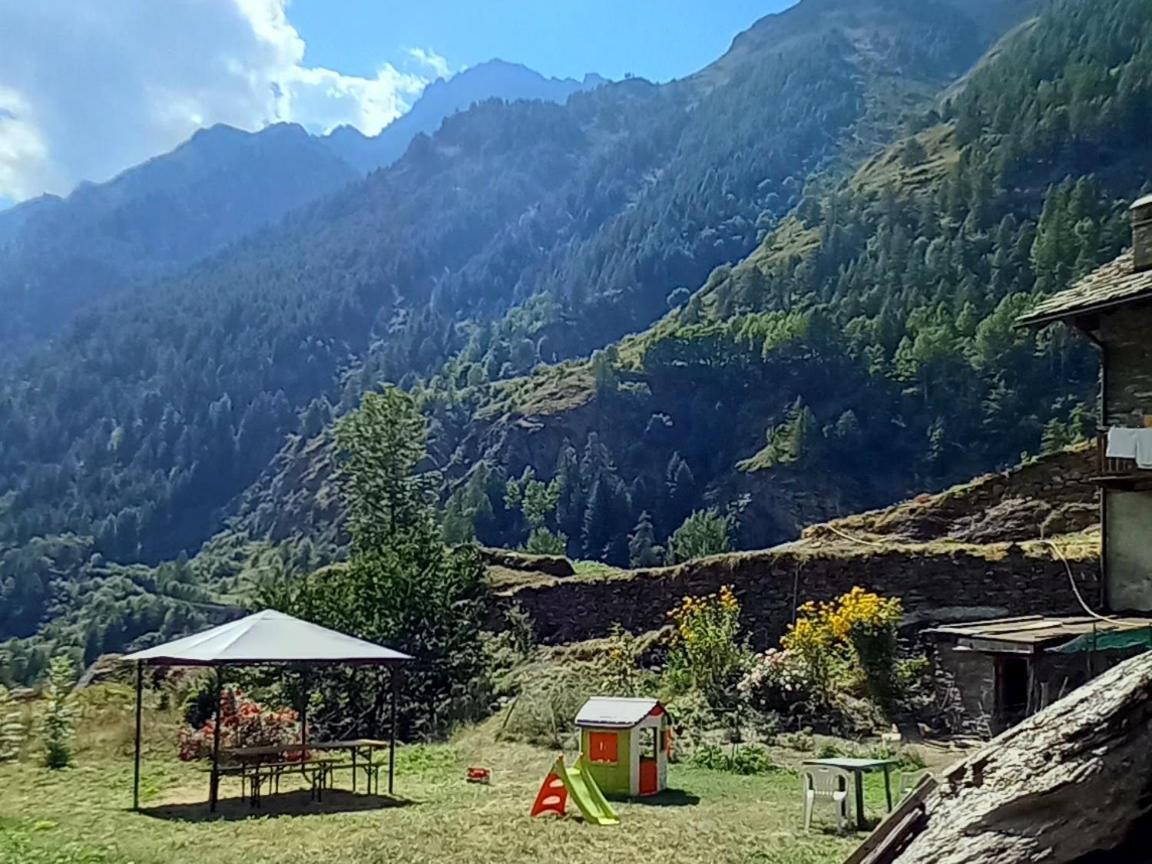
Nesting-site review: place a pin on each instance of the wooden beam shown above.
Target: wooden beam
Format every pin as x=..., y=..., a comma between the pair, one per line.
x=897, y=828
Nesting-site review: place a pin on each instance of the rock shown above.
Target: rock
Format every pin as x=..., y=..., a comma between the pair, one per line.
x=551, y=565
x=1069, y=782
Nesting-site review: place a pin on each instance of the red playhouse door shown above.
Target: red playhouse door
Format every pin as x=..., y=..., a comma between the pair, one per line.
x=649, y=776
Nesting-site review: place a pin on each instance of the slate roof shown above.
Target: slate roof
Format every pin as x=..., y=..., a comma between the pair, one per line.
x=615, y=712
x=268, y=637
x=1112, y=285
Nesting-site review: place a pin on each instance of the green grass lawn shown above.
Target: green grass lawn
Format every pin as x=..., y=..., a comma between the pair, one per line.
x=81, y=815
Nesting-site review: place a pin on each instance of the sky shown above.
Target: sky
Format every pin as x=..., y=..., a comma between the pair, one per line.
x=91, y=87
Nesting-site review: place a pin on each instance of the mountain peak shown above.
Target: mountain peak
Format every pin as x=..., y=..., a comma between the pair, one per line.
x=492, y=79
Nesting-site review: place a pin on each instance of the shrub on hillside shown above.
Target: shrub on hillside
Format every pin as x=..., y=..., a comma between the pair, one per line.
x=57, y=722
x=749, y=759
x=703, y=533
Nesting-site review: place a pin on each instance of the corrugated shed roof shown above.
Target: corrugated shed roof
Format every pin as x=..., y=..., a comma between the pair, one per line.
x=1111, y=285
x=267, y=637
x=616, y=712
x=1039, y=629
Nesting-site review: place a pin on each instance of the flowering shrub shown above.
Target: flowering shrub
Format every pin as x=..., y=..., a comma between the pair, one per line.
x=775, y=681
x=853, y=638
x=244, y=722
x=706, y=652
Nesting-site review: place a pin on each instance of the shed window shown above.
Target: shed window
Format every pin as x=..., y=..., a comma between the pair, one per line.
x=602, y=747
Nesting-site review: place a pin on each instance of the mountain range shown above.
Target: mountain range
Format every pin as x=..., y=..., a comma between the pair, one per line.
x=781, y=289
x=57, y=255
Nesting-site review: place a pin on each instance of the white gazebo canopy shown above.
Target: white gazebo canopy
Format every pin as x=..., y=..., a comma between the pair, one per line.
x=265, y=639
x=268, y=637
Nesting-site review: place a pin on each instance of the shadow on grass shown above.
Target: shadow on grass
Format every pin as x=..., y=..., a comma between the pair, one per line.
x=298, y=803
x=667, y=798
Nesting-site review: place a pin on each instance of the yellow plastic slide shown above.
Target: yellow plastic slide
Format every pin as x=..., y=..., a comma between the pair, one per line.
x=585, y=794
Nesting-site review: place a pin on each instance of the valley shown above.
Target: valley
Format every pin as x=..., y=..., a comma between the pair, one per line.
x=820, y=312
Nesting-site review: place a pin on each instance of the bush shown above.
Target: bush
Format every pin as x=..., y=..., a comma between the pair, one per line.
x=244, y=722
x=620, y=666
x=703, y=533
x=706, y=652
x=521, y=629
x=776, y=681
x=801, y=742
x=848, y=644
x=739, y=760
x=57, y=723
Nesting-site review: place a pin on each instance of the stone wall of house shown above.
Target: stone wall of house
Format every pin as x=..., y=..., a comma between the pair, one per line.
x=935, y=586
x=1128, y=360
x=965, y=683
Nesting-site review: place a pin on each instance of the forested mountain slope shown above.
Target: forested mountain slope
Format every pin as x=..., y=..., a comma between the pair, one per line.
x=866, y=350
x=152, y=414
x=57, y=255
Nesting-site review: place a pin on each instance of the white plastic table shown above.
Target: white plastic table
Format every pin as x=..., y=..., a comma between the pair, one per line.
x=858, y=768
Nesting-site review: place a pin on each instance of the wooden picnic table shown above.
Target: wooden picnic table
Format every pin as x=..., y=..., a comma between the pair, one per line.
x=362, y=751
x=858, y=768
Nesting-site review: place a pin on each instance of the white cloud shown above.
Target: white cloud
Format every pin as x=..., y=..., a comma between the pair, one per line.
x=88, y=89
x=429, y=58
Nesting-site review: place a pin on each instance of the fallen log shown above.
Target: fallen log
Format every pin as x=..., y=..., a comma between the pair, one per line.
x=1069, y=781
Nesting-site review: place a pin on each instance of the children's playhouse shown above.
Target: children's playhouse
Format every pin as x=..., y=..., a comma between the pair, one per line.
x=626, y=743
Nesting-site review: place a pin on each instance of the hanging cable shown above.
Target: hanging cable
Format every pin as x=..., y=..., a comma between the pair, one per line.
x=1075, y=587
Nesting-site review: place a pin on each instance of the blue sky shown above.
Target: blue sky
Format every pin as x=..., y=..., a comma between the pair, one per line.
x=657, y=39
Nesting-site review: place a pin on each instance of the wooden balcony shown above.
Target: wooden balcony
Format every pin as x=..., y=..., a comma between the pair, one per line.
x=1118, y=473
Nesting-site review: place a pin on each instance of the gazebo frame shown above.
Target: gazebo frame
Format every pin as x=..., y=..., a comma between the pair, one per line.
x=264, y=639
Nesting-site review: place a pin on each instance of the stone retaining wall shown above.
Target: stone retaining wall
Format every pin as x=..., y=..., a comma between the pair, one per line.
x=935, y=586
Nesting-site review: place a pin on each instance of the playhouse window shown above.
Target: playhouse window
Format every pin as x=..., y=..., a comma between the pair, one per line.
x=602, y=747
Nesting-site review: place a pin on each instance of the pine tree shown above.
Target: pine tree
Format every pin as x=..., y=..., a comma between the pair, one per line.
x=608, y=507
x=681, y=489
x=642, y=548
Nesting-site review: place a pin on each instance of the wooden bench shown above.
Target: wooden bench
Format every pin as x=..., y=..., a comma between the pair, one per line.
x=370, y=768
x=254, y=775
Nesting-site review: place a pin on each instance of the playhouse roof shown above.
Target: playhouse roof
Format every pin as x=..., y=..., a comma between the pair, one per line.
x=615, y=711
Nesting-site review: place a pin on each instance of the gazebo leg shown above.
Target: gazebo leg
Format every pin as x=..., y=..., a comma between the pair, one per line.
x=392, y=728
x=214, y=782
x=136, y=755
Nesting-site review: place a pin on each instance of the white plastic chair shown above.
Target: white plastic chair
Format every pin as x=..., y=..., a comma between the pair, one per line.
x=825, y=783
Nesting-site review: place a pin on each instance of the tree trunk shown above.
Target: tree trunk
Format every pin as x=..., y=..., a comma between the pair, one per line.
x=1071, y=780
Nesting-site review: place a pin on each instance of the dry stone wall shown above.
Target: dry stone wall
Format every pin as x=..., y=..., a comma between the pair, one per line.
x=935, y=586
